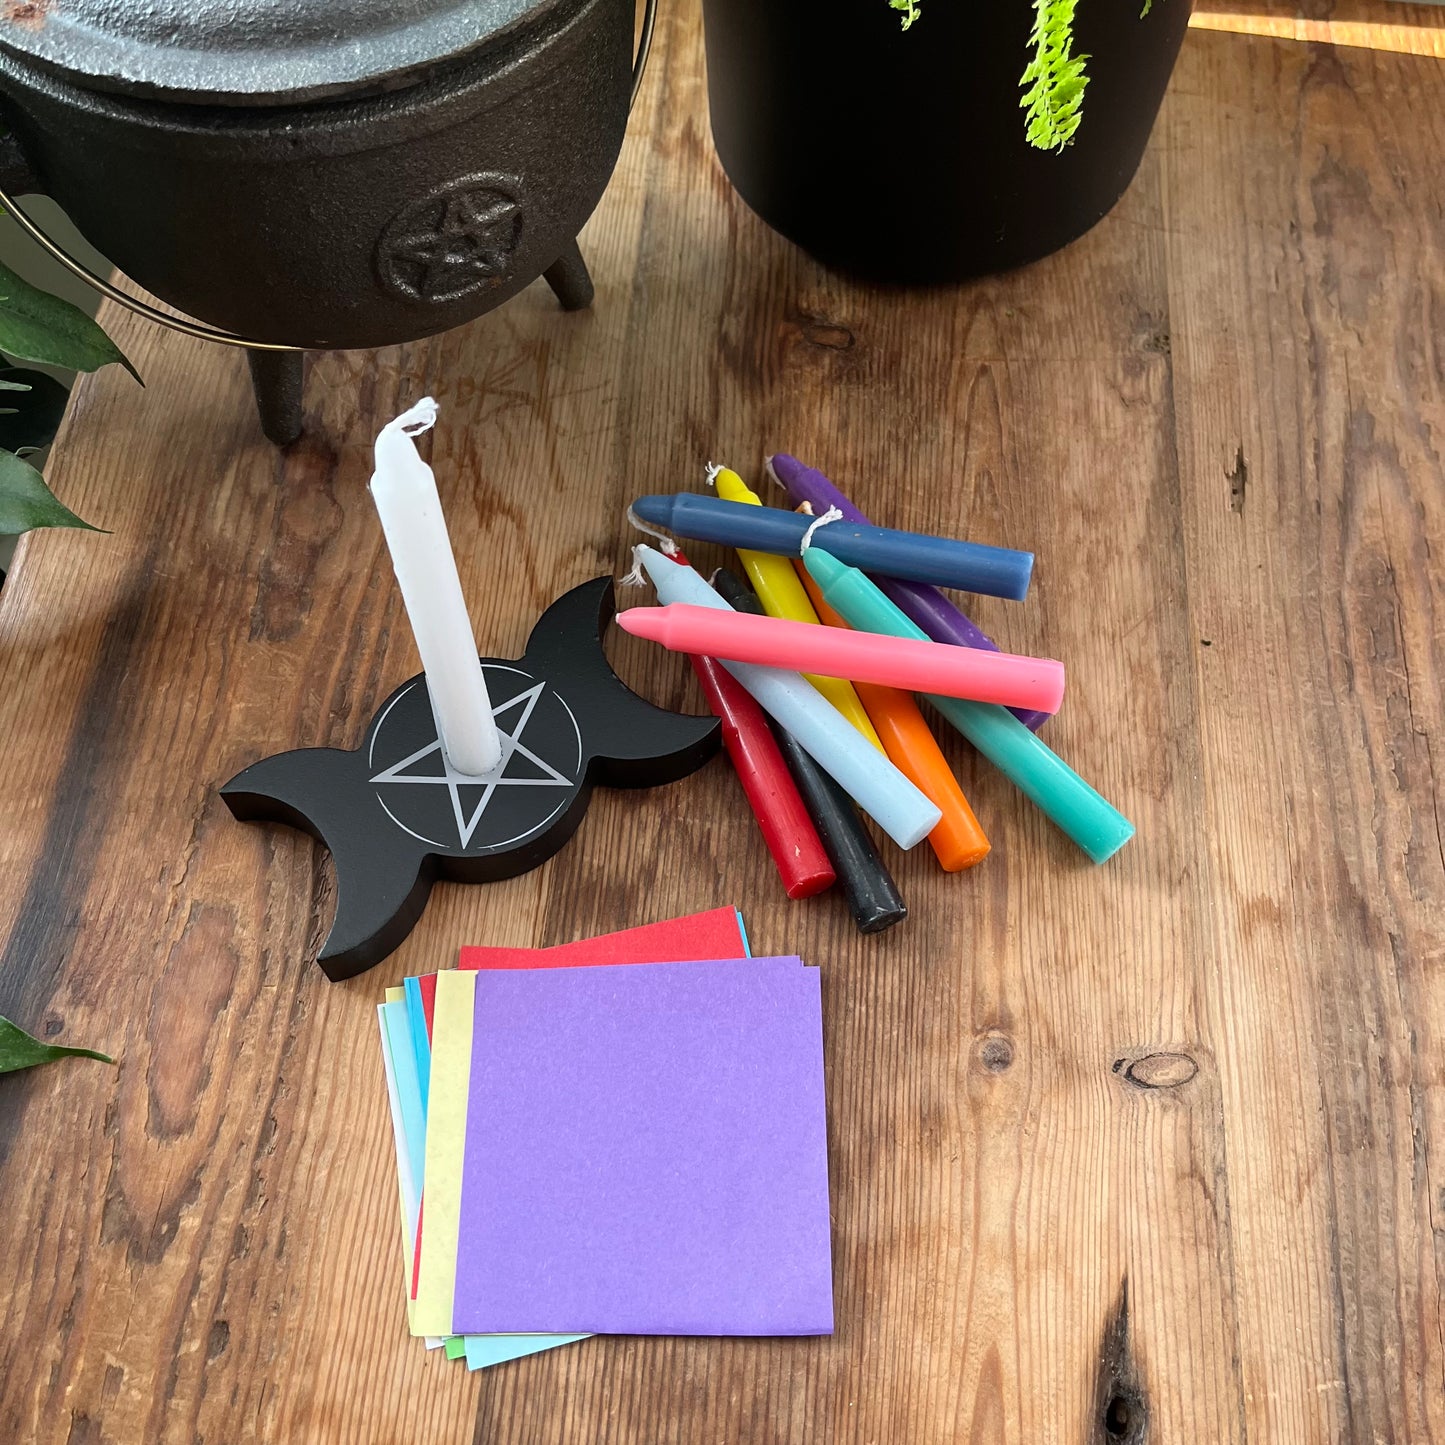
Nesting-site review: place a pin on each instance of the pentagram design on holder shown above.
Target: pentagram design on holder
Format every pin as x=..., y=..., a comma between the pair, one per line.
x=425, y=796
x=452, y=242
x=396, y=816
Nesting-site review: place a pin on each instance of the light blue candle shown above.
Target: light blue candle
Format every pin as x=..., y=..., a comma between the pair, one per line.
x=1029, y=763
x=885, y=794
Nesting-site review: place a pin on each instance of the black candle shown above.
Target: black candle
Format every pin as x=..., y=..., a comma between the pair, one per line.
x=873, y=896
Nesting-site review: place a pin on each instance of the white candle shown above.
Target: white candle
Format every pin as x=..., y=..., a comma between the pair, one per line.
x=405, y=493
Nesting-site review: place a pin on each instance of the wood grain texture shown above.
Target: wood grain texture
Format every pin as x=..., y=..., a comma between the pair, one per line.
x=1407, y=29
x=1152, y=1151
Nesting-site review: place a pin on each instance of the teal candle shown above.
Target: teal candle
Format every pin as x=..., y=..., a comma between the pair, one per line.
x=1098, y=827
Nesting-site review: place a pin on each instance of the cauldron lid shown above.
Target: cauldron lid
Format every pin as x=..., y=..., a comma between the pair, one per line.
x=254, y=52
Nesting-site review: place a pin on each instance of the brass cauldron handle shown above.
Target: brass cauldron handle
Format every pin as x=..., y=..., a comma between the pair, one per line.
x=199, y=329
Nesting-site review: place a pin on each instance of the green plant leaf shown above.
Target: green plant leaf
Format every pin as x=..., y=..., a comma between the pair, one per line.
x=36, y=326
x=26, y=502
x=1054, y=77
x=909, y=9
x=19, y=1050
x=35, y=418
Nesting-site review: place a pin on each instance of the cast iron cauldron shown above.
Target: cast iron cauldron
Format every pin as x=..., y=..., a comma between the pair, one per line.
x=310, y=174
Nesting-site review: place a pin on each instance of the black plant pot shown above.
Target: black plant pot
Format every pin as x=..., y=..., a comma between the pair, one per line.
x=901, y=156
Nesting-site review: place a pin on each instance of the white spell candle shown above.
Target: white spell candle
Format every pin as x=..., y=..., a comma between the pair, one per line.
x=405, y=493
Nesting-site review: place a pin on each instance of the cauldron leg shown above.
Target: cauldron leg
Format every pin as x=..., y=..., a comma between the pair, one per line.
x=276, y=380
x=568, y=278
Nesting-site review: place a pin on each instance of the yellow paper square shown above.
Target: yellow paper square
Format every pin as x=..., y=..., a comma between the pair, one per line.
x=446, y=1134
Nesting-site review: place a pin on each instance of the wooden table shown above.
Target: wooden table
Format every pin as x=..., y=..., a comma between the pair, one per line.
x=1155, y=1149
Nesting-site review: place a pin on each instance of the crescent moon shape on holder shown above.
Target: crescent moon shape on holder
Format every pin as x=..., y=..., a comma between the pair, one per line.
x=634, y=743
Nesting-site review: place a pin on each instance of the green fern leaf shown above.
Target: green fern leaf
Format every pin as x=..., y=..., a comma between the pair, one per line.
x=1054, y=79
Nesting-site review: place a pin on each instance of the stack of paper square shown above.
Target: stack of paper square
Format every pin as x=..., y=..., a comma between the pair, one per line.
x=624, y=1136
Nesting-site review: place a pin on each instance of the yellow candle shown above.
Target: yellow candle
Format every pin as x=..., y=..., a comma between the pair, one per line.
x=782, y=595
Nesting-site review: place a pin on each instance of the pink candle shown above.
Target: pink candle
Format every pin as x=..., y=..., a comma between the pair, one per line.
x=928, y=667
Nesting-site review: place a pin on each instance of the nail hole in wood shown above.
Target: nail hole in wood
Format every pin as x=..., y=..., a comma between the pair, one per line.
x=1120, y=1407
x=1238, y=478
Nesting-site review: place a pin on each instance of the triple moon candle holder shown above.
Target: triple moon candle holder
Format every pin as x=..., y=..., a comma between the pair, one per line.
x=396, y=816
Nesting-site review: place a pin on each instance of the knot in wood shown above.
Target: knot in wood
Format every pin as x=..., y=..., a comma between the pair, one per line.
x=995, y=1052
x=821, y=331
x=1166, y=1070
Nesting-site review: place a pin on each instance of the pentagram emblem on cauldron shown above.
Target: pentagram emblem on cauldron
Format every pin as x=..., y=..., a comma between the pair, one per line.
x=452, y=242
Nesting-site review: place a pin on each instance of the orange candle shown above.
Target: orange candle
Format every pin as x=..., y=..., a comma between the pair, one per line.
x=957, y=839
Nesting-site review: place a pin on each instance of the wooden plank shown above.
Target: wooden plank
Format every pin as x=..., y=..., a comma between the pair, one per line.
x=1141, y=1150
x=1303, y=267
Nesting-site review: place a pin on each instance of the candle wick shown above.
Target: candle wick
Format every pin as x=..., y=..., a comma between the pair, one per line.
x=831, y=515
x=637, y=577
x=712, y=470
x=772, y=472
x=665, y=544
x=416, y=419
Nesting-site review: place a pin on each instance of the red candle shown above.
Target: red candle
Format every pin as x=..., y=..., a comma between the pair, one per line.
x=773, y=796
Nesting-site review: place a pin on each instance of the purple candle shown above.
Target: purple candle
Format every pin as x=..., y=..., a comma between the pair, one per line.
x=925, y=605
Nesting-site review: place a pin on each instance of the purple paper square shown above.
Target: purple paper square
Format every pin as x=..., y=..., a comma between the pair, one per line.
x=646, y=1153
